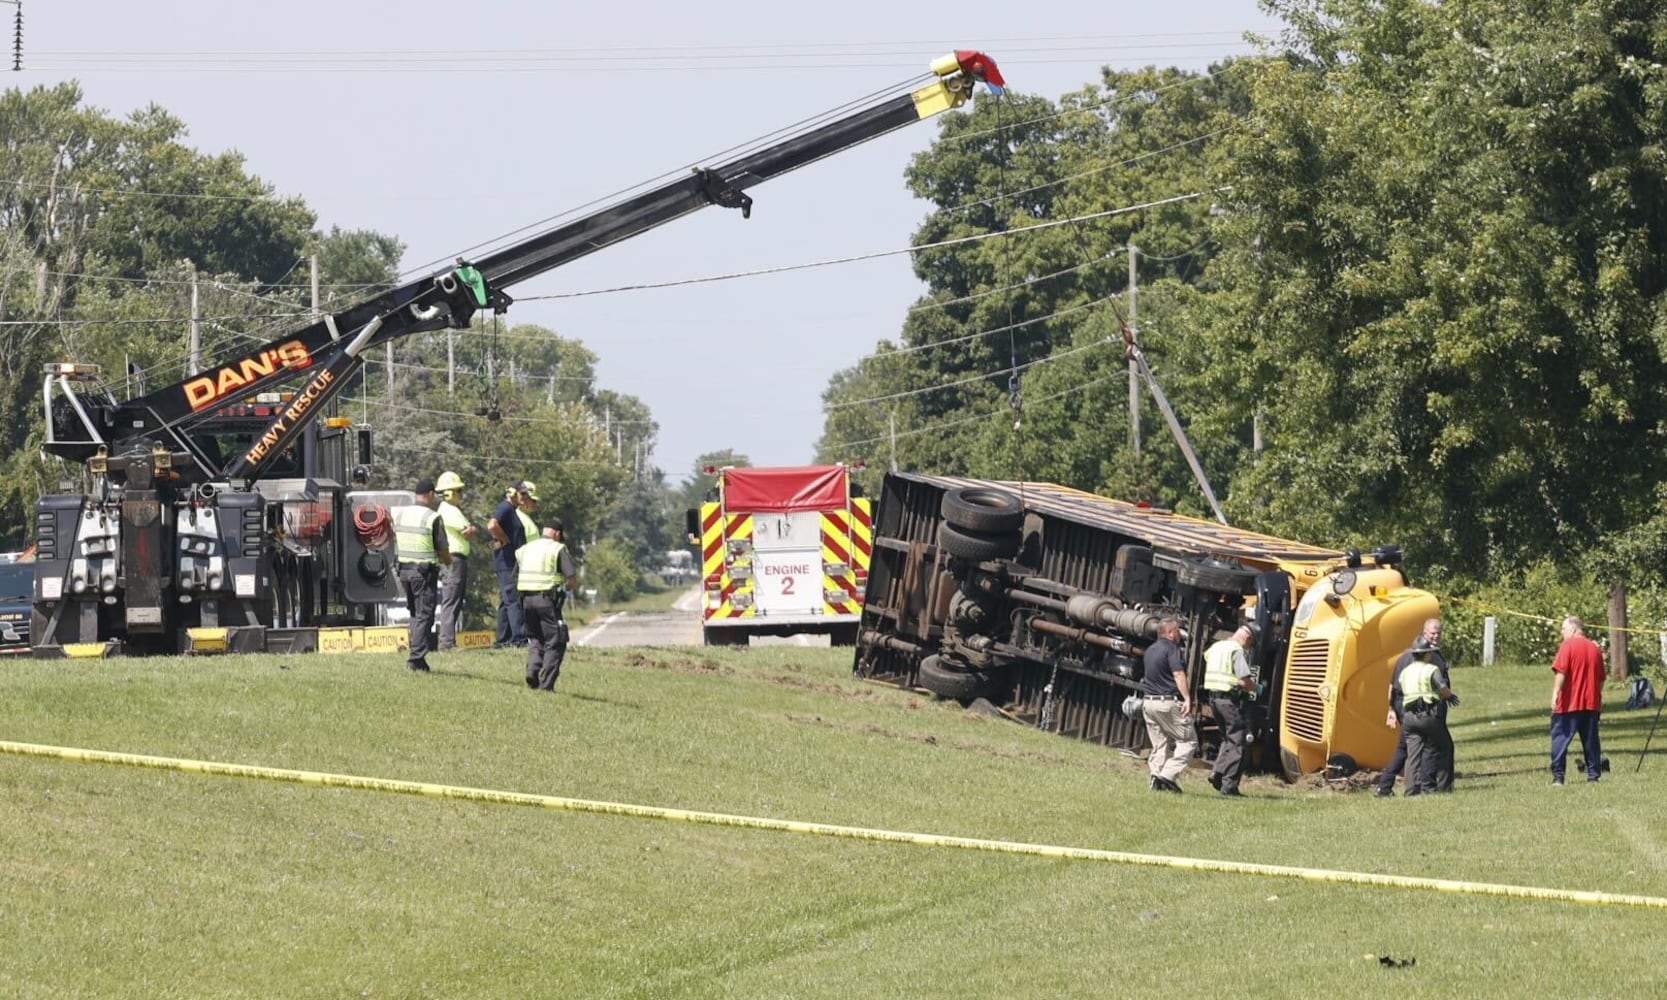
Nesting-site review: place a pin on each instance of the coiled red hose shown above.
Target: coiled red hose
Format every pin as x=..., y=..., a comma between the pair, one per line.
x=372, y=526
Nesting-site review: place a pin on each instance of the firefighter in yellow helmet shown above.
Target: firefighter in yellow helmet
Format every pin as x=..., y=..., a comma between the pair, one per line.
x=454, y=579
x=421, y=542
x=542, y=567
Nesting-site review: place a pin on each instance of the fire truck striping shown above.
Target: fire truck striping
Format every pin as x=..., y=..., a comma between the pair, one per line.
x=430, y=790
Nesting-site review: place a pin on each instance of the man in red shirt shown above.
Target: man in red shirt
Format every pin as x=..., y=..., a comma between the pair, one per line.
x=1576, y=700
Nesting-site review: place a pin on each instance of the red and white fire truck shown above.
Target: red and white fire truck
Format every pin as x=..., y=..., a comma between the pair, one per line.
x=784, y=551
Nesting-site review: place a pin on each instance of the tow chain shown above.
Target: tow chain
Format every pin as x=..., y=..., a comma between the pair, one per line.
x=1045, y=723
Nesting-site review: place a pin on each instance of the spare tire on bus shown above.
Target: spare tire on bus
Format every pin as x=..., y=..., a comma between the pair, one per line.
x=977, y=546
x=982, y=509
x=1218, y=575
x=951, y=682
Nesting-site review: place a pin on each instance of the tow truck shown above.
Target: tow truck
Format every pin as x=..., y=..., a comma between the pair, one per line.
x=196, y=510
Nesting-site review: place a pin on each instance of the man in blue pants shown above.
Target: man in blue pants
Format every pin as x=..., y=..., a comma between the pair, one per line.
x=511, y=527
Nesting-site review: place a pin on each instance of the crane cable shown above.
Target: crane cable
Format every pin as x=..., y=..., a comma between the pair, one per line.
x=1015, y=391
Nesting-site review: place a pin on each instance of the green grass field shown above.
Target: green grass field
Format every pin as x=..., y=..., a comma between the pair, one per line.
x=118, y=881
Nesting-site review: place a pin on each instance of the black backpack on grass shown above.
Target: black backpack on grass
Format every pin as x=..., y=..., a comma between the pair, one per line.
x=1643, y=693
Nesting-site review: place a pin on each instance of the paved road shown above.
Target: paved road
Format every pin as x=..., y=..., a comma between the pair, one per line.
x=678, y=627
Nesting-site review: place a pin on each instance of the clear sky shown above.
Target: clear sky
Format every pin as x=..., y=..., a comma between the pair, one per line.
x=449, y=124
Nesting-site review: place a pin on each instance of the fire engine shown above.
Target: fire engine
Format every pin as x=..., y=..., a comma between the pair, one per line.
x=784, y=551
x=206, y=505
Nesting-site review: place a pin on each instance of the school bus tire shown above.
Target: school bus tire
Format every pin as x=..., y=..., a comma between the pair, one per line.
x=976, y=546
x=982, y=510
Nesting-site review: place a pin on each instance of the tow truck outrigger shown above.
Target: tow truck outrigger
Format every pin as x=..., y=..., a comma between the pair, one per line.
x=203, y=510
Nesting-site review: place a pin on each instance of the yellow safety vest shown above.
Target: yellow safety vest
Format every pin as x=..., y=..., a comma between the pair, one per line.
x=529, y=528
x=414, y=533
x=538, y=565
x=1418, y=683
x=455, y=523
x=1219, y=674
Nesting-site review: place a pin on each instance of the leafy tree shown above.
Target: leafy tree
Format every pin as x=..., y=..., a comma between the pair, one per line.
x=640, y=521
x=1446, y=254
x=608, y=568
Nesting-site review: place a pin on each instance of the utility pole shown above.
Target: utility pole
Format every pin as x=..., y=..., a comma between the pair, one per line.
x=196, y=343
x=451, y=362
x=891, y=421
x=1134, y=369
x=17, y=35
x=310, y=443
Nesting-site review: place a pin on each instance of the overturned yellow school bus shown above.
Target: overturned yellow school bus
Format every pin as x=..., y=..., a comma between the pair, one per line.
x=1043, y=599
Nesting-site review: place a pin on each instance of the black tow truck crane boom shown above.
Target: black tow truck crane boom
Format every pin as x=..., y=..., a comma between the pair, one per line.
x=175, y=532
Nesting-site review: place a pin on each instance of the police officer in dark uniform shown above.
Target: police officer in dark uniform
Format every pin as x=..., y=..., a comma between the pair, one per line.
x=420, y=537
x=511, y=526
x=1231, y=683
x=1424, y=689
x=541, y=567
x=1397, y=762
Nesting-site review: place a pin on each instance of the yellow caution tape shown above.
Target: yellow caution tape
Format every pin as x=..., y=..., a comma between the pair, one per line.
x=827, y=829
x=1495, y=609
x=1502, y=611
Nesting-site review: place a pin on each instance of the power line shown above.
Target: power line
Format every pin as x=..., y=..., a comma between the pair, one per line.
x=725, y=58
x=470, y=370
x=942, y=425
x=888, y=47
x=1008, y=328
x=953, y=209
x=398, y=447
x=147, y=193
x=939, y=245
x=409, y=408
x=1060, y=356
x=162, y=321
x=1183, y=255
x=1110, y=100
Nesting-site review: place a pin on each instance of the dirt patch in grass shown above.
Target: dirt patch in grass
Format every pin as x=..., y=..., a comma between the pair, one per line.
x=681, y=664
x=832, y=688
x=1360, y=781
